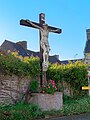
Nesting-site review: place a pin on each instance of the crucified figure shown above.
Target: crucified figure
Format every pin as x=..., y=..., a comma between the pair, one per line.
x=44, y=42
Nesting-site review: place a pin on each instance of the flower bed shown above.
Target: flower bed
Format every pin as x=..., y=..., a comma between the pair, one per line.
x=49, y=88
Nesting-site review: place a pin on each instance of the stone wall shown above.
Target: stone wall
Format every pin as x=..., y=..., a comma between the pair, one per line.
x=12, y=88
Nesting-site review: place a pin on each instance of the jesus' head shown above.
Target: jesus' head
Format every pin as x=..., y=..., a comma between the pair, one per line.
x=45, y=26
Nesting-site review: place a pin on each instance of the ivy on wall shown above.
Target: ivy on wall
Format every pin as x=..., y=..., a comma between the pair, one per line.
x=73, y=73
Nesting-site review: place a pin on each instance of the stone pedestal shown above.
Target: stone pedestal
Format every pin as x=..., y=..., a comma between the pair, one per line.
x=48, y=102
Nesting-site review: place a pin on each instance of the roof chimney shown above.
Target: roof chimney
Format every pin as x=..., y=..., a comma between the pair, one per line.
x=23, y=44
x=57, y=57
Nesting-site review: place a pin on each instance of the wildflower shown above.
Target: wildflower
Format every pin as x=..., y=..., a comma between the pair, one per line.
x=53, y=86
x=50, y=87
x=51, y=81
x=56, y=88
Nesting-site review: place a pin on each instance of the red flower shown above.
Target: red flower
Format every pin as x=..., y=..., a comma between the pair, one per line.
x=43, y=91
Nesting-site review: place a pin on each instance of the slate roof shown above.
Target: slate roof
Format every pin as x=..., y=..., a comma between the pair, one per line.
x=67, y=61
x=53, y=59
x=8, y=45
x=35, y=54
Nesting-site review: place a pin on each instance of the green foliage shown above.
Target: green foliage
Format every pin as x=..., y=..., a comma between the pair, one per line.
x=73, y=73
x=20, y=112
x=55, y=72
x=27, y=66
x=33, y=65
x=76, y=75
x=81, y=105
x=30, y=112
x=33, y=86
x=72, y=107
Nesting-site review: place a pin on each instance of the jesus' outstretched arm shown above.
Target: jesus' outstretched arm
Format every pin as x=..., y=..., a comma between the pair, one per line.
x=34, y=25
x=57, y=30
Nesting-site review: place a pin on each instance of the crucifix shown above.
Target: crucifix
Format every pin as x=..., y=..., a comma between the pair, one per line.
x=44, y=30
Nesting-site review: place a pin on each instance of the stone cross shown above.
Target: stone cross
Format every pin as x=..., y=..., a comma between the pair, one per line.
x=44, y=30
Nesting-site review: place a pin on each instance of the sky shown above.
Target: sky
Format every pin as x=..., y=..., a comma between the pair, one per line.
x=72, y=16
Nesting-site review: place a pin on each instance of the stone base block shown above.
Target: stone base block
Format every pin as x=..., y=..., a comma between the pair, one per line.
x=48, y=102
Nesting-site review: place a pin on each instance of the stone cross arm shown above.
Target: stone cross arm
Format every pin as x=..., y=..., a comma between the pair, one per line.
x=53, y=29
x=25, y=23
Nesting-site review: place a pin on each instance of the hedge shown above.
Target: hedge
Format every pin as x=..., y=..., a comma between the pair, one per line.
x=73, y=73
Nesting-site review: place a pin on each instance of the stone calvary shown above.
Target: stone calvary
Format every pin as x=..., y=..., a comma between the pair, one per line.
x=44, y=30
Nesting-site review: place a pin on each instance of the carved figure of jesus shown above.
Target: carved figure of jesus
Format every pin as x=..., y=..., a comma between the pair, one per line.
x=44, y=42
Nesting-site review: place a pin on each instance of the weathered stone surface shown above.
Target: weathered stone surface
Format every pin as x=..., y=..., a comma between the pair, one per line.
x=48, y=102
x=12, y=88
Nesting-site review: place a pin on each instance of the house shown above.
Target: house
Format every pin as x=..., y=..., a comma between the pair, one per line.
x=87, y=47
x=21, y=48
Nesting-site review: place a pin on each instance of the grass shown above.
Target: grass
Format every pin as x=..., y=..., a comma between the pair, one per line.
x=72, y=106
x=20, y=111
x=23, y=111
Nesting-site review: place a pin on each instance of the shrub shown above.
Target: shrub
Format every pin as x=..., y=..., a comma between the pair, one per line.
x=14, y=64
x=73, y=73
x=20, y=112
x=33, y=86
